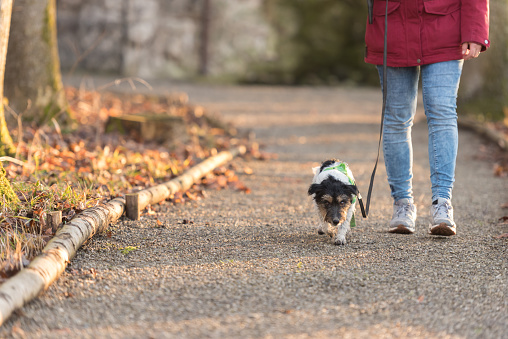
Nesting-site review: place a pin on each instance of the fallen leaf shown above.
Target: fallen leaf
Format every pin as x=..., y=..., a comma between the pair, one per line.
x=222, y=181
x=191, y=196
x=16, y=331
x=150, y=211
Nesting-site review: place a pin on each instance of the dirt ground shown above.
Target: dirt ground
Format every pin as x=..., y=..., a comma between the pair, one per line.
x=238, y=265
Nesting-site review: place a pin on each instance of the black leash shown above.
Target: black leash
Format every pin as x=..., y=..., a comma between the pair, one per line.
x=365, y=209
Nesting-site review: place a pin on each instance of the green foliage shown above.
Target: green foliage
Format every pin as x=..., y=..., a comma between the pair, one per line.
x=6, y=144
x=128, y=249
x=6, y=192
x=319, y=42
x=490, y=100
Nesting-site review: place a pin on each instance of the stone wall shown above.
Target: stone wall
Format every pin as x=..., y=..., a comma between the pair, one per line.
x=163, y=38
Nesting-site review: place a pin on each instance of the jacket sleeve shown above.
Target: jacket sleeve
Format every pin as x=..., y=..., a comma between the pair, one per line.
x=475, y=22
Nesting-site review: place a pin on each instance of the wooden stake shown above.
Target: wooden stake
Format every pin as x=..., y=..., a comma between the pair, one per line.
x=54, y=220
x=132, y=209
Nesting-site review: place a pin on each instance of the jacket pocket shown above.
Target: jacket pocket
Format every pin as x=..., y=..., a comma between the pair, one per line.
x=374, y=35
x=380, y=7
x=441, y=7
x=441, y=26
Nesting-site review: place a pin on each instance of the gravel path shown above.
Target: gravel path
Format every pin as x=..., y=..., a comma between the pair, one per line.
x=238, y=265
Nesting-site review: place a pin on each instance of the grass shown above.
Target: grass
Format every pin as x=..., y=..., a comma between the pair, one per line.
x=128, y=249
x=23, y=225
x=69, y=172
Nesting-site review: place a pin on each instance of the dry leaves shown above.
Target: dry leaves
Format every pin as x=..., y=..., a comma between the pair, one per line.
x=70, y=172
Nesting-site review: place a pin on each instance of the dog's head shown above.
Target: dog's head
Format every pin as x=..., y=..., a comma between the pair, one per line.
x=333, y=190
x=333, y=199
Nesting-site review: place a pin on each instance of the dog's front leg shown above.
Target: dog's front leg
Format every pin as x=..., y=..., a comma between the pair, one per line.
x=340, y=237
x=325, y=228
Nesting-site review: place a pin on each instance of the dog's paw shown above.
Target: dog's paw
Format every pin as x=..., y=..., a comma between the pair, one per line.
x=339, y=240
x=327, y=229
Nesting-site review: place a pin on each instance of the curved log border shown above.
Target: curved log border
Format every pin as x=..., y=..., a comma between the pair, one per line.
x=483, y=130
x=28, y=283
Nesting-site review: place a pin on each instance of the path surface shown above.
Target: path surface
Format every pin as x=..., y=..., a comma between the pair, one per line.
x=253, y=266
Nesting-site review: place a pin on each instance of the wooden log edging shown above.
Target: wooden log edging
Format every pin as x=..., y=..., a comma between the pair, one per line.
x=28, y=283
x=137, y=202
x=47, y=266
x=481, y=129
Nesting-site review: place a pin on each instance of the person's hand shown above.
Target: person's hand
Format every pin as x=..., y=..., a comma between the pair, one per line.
x=471, y=50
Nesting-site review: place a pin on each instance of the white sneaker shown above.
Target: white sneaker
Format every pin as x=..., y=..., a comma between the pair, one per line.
x=404, y=216
x=441, y=215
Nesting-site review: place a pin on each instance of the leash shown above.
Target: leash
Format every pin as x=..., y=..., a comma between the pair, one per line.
x=365, y=209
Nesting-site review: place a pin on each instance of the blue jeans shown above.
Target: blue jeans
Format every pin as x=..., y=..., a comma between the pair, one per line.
x=440, y=85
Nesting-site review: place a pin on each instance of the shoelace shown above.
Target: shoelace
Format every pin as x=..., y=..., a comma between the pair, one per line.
x=441, y=209
x=403, y=210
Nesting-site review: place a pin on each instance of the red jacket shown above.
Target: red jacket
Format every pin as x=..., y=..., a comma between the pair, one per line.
x=426, y=31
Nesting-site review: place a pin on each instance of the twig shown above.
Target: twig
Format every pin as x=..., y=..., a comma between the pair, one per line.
x=13, y=160
x=86, y=52
x=129, y=80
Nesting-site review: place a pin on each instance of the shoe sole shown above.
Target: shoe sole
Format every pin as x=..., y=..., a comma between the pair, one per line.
x=442, y=229
x=400, y=229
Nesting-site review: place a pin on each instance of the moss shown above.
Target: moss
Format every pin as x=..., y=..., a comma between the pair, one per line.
x=50, y=37
x=6, y=191
x=6, y=144
x=58, y=103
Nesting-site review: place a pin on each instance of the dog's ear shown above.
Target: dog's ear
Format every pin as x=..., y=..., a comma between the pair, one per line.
x=314, y=188
x=327, y=163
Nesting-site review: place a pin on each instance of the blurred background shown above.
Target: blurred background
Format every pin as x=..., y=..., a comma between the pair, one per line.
x=311, y=42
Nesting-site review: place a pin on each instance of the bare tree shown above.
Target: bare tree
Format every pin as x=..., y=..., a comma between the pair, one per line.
x=33, y=82
x=6, y=144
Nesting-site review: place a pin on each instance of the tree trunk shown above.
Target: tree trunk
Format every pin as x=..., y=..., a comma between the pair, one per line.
x=6, y=144
x=33, y=82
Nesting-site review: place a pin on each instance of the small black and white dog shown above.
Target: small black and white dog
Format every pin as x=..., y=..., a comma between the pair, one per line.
x=334, y=192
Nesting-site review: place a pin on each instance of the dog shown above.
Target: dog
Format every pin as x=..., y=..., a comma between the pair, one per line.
x=334, y=193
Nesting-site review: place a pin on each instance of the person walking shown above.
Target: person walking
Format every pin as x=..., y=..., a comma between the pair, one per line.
x=432, y=38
